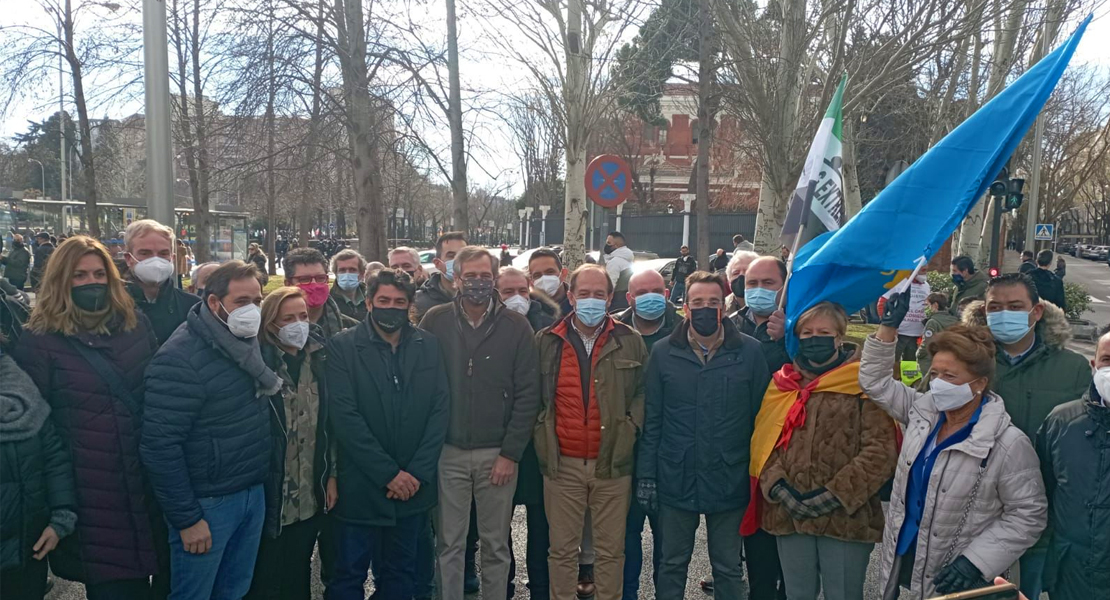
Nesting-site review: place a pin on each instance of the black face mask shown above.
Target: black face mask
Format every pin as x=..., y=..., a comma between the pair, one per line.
x=92, y=297
x=705, y=321
x=389, y=319
x=738, y=286
x=608, y=249
x=477, y=290
x=813, y=351
x=17, y=244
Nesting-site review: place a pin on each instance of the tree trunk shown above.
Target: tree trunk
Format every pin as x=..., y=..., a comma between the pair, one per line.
x=304, y=204
x=458, y=159
x=362, y=131
x=271, y=188
x=87, y=167
x=201, y=214
x=706, y=114
x=575, y=211
x=853, y=202
x=201, y=250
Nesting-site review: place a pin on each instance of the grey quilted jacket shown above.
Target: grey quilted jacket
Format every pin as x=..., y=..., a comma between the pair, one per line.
x=1009, y=510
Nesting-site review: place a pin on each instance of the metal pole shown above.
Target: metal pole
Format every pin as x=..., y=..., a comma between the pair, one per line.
x=687, y=200
x=996, y=257
x=42, y=193
x=61, y=114
x=159, y=153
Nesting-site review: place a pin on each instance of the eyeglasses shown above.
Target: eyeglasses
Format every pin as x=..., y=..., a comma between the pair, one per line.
x=307, y=279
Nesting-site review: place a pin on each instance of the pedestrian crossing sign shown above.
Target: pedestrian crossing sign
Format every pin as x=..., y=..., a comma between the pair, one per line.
x=1044, y=232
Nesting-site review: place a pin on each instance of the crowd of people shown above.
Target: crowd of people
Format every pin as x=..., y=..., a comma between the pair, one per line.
x=203, y=443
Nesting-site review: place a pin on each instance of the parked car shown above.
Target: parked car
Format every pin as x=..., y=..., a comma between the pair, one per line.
x=1103, y=253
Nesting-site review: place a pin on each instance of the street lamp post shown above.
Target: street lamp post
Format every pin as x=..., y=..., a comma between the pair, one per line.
x=520, y=213
x=156, y=81
x=42, y=192
x=528, y=226
x=543, y=224
x=687, y=200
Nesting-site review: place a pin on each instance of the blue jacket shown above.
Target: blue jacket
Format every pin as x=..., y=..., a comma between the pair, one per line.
x=699, y=419
x=206, y=432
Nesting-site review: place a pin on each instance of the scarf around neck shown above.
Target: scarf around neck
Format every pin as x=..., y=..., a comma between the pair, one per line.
x=22, y=408
x=245, y=353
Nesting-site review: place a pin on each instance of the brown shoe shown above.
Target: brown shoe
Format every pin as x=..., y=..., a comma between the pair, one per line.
x=586, y=587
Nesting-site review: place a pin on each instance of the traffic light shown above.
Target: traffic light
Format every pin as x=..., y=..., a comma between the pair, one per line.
x=994, y=272
x=1008, y=190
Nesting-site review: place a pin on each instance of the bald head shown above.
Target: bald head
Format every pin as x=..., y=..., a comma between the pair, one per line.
x=1102, y=354
x=766, y=272
x=646, y=281
x=200, y=276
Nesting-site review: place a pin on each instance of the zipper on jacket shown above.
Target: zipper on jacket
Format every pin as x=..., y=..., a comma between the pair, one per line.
x=285, y=434
x=470, y=367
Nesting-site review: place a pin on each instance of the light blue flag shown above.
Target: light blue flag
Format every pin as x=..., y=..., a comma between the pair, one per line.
x=913, y=216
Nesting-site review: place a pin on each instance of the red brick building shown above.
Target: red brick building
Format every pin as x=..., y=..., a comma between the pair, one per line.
x=662, y=158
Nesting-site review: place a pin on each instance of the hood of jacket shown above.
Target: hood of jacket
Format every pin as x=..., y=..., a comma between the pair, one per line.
x=434, y=289
x=1053, y=328
x=22, y=408
x=542, y=301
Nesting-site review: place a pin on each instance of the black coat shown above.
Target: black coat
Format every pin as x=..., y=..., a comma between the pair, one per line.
x=36, y=477
x=670, y=321
x=388, y=412
x=1050, y=287
x=169, y=309
x=699, y=420
x=773, y=350
x=206, y=432
x=683, y=267
x=16, y=264
x=1074, y=447
x=279, y=426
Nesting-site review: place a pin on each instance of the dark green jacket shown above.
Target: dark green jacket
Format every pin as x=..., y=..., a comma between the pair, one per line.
x=1074, y=447
x=975, y=288
x=388, y=412
x=492, y=371
x=1047, y=377
x=355, y=309
x=16, y=264
x=169, y=309
x=670, y=321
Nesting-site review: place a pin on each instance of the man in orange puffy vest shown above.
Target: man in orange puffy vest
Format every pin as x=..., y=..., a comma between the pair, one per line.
x=593, y=406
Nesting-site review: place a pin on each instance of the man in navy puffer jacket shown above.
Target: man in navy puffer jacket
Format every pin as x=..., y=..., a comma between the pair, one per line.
x=206, y=437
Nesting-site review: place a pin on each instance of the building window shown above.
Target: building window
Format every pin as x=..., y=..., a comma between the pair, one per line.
x=694, y=132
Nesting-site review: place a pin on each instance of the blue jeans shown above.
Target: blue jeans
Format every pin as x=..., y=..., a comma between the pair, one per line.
x=394, y=549
x=634, y=549
x=1032, y=572
x=226, y=570
x=678, y=291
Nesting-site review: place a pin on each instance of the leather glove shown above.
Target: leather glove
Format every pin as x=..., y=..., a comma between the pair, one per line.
x=647, y=496
x=821, y=501
x=791, y=501
x=958, y=576
x=895, y=309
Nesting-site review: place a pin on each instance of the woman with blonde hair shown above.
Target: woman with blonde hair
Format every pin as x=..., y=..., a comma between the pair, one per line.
x=821, y=453
x=301, y=485
x=86, y=348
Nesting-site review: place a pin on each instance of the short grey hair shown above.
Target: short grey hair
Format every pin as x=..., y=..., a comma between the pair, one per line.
x=511, y=271
x=739, y=257
x=140, y=228
x=405, y=250
x=471, y=253
x=348, y=254
x=197, y=268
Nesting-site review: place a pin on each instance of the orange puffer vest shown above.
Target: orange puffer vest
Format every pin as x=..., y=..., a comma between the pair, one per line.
x=577, y=424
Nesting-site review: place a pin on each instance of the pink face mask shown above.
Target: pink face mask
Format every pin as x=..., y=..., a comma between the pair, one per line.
x=316, y=294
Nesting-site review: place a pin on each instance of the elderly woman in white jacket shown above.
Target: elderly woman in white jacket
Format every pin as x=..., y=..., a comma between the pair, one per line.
x=968, y=497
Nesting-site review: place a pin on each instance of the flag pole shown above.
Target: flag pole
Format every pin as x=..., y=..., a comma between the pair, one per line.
x=807, y=207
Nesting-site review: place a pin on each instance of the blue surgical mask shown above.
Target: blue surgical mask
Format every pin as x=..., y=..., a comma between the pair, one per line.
x=762, y=301
x=347, y=281
x=450, y=266
x=650, y=306
x=1008, y=326
x=590, y=311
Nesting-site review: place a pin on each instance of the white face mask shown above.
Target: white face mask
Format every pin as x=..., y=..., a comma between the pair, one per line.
x=1102, y=384
x=518, y=304
x=243, y=322
x=153, y=270
x=548, y=284
x=294, y=335
x=949, y=396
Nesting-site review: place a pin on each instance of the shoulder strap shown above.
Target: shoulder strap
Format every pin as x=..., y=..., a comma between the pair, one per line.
x=110, y=374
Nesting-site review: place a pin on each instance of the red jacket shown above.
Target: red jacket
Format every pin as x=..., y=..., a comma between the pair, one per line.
x=577, y=423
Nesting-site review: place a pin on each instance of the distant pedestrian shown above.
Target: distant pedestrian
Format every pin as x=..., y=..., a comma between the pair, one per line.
x=1049, y=286
x=17, y=263
x=257, y=257
x=971, y=283
x=742, y=245
x=719, y=262
x=683, y=267
x=1061, y=267
x=1027, y=262
x=618, y=258
x=43, y=249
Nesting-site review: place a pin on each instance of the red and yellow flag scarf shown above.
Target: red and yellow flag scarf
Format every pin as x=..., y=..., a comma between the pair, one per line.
x=783, y=411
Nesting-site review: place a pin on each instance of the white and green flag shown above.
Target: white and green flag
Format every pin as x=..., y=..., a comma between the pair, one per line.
x=820, y=189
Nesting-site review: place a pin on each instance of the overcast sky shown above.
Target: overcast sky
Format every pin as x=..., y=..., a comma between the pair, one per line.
x=497, y=167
